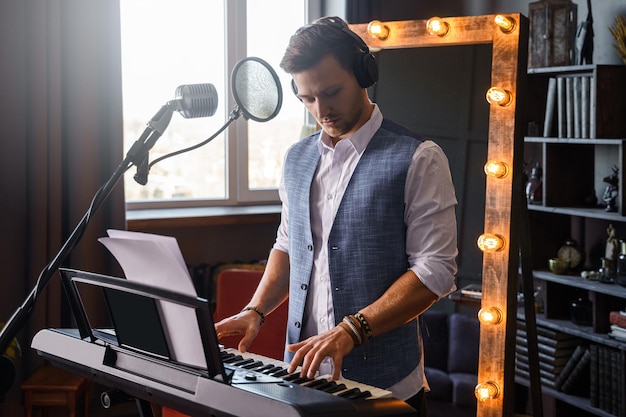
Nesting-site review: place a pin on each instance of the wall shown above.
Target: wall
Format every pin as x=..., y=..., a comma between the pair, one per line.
x=603, y=11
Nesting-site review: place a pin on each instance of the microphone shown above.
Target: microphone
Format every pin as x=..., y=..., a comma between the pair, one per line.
x=195, y=100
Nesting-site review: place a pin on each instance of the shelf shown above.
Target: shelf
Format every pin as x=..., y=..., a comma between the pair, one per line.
x=613, y=290
x=569, y=69
x=593, y=213
x=584, y=332
x=580, y=402
x=574, y=141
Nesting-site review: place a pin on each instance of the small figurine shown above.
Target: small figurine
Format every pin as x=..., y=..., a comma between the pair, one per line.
x=611, y=244
x=610, y=192
x=534, y=185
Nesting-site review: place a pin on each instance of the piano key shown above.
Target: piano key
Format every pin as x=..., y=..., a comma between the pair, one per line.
x=343, y=385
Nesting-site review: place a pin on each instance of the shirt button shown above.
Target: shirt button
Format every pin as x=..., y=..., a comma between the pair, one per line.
x=329, y=196
x=322, y=320
x=309, y=247
x=303, y=286
x=297, y=324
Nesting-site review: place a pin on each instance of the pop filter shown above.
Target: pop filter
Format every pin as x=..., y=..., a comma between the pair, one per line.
x=256, y=89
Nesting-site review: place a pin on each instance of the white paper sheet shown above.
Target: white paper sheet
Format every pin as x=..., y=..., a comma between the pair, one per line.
x=157, y=260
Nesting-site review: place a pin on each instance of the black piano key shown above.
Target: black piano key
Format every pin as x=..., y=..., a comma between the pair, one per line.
x=280, y=373
x=264, y=367
x=233, y=358
x=350, y=393
x=316, y=383
x=242, y=362
x=334, y=388
x=253, y=365
x=292, y=377
x=272, y=370
x=301, y=380
x=363, y=395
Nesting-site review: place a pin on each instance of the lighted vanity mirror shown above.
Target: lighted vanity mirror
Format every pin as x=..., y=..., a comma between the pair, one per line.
x=505, y=37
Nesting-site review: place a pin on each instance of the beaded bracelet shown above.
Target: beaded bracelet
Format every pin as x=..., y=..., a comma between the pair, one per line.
x=364, y=325
x=256, y=310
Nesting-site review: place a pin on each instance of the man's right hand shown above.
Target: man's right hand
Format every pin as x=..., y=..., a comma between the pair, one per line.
x=246, y=323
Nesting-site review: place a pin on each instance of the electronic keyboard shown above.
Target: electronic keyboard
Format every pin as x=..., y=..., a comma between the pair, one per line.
x=255, y=385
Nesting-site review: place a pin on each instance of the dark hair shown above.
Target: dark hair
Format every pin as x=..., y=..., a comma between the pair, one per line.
x=313, y=42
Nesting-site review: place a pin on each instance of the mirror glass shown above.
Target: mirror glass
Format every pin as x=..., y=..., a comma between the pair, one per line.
x=443, y=98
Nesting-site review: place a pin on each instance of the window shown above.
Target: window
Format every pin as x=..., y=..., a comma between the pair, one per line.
x=166, y=44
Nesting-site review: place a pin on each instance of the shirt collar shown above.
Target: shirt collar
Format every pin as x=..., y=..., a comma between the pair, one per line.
x=360, y=139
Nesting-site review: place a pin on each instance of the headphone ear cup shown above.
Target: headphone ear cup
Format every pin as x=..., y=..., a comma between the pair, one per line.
x=365, y=69
x=294, y=88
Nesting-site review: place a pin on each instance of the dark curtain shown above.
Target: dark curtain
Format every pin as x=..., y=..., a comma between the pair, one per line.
x=60, y=140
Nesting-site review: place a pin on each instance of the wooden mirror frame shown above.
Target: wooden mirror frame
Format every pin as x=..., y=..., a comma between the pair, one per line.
x=504, y=196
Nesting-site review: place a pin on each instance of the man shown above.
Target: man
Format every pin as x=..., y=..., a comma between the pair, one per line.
x=367, y=239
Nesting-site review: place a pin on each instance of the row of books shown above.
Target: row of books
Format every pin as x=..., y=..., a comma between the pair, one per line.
x=555, y=350
x=607, y=379
x=570, y=107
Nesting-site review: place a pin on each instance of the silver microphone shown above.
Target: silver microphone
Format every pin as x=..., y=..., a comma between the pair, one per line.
x=195, y=100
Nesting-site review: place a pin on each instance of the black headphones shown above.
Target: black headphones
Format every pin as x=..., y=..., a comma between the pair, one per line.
x=365, y=67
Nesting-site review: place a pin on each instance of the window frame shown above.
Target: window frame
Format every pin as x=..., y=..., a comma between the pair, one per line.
x=238, y=192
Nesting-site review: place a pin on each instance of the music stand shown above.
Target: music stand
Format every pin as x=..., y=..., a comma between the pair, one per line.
x=136, y=319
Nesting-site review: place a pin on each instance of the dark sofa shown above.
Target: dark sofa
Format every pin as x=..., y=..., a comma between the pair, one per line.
x=450, y=362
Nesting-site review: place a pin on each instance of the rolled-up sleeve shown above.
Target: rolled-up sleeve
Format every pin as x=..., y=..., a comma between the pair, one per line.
x=431, y=221
x=282, y=235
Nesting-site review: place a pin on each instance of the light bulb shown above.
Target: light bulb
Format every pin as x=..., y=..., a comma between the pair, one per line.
x=490, y=315
x=497, y=169
x=438, y=27
x=486, y=391
x=499, y=96
x=378, y=30
x=506, y=23
x=488, y=242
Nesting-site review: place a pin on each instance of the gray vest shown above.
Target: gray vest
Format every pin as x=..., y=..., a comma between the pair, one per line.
x=366, y=248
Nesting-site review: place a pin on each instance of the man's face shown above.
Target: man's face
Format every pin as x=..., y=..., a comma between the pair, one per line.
x=333, y=96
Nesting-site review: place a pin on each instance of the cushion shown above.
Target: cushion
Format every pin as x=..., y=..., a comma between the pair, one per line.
x=440, y=384
x=463, y=389
x=464, y=344
x=434, y=330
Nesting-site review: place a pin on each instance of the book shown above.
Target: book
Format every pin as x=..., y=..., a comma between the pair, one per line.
x=577, y=105
x=560, y=105
x=593, y=375
x=570, y=365
x=584, y=107
x=569, y=107
x=592, y=107
x=618, y=318
x=550, y=102
x=577, y=374
x=472, y=291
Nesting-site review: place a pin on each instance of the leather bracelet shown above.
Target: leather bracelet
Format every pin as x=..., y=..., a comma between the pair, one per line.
x=365, y=326
x=256, y=310
x=353, y=334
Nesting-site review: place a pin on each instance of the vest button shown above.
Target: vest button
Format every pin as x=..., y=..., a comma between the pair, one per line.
x=304, y=286
x=309, y=247
x=297, y=324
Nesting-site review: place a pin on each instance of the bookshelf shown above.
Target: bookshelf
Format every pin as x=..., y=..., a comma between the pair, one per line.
x=576, y=118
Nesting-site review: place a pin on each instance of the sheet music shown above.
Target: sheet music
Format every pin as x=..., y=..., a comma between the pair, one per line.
x=157, y=260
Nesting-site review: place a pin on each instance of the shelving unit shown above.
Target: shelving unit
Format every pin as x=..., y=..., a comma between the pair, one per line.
x=572, y=206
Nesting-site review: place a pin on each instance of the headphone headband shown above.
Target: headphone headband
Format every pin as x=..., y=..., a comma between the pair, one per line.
x=364, y=66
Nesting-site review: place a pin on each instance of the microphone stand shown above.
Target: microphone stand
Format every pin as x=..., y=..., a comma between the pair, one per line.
x=135, y=156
